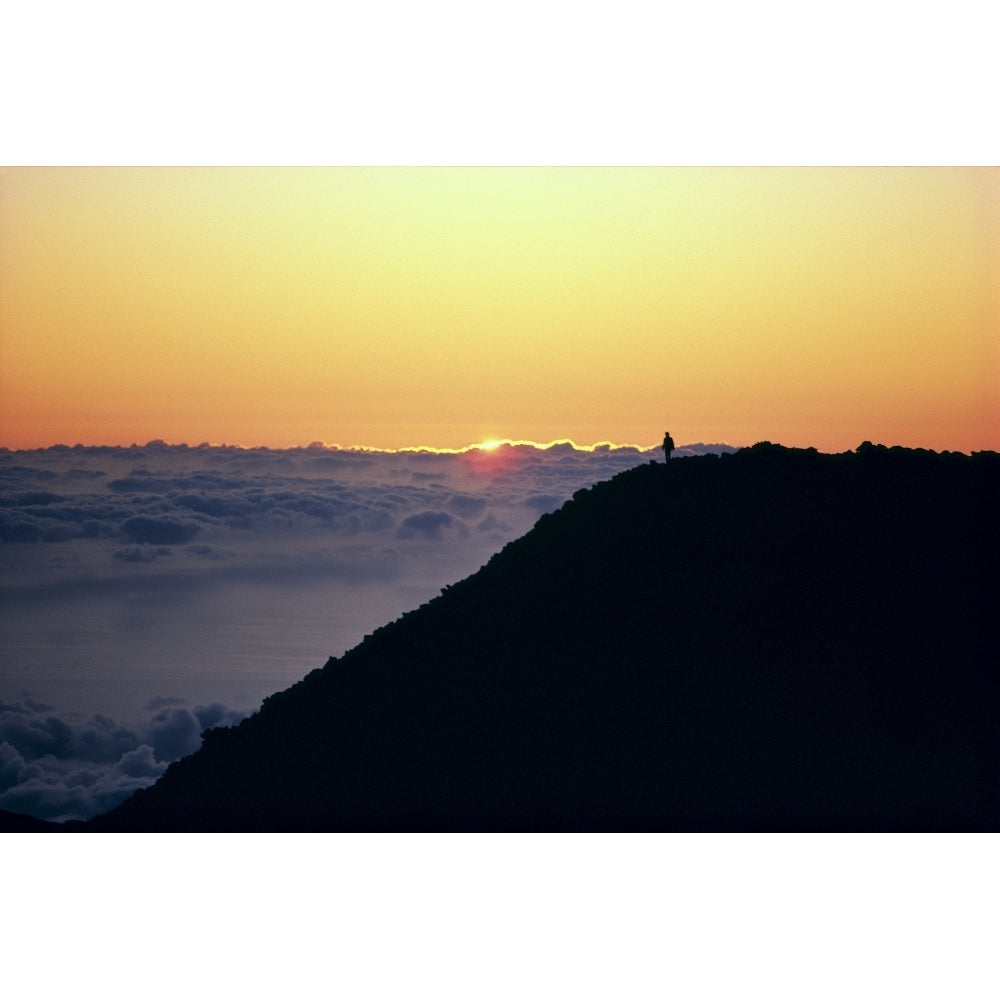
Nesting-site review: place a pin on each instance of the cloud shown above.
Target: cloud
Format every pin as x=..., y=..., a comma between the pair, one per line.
x=216, y=714
x=11, y=765
x=159, y=495
x=141, y=763
x=230, y=571
x=208, y=552
x=491, y=524
x=118, y=513
x=102, y=740
x=141, y=553
x=58, y=769
x=174, y=733
x=32, y=525
x=32, y=734
x=36, y=498
x=466, y=506
x=161, y=512
x=544, y=503
x=429, y=524
x=50, y=790
x=159, y=530
x=160, y=701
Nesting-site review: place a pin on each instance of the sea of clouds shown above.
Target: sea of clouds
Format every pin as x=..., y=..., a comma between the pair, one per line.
x=151, y=592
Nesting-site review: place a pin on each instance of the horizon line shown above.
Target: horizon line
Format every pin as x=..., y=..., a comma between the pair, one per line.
x=488, y=445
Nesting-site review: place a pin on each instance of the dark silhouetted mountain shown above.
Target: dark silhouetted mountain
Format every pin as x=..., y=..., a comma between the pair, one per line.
x=770, y=640
x=19, y=823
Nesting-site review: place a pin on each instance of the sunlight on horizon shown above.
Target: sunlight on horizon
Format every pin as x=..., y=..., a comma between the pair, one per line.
x=492, y=445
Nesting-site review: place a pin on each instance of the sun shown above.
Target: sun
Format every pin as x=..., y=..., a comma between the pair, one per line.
x=491, y=456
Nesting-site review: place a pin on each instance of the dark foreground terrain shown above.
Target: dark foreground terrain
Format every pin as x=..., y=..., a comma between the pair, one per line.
x=774, y=640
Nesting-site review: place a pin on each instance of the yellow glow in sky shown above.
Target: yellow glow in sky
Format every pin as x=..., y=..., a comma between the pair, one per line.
x=396, y=307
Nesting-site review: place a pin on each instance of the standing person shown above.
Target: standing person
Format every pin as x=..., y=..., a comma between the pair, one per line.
x=668, y=446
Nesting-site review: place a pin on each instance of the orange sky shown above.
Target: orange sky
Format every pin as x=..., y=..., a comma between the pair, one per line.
x=393, y=307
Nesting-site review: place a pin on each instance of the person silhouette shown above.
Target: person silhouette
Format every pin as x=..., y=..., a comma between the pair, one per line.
x=668, y=446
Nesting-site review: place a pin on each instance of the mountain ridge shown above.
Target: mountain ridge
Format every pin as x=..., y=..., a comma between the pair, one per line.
x=773, y=639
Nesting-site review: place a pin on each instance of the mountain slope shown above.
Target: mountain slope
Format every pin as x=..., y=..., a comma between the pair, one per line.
x=771, y=640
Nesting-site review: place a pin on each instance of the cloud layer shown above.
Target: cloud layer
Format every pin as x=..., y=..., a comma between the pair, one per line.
x=60, y=769
x=218, y=575
x=81, y=512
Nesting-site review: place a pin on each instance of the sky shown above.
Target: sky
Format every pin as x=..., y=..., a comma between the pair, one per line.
x=395, y=307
